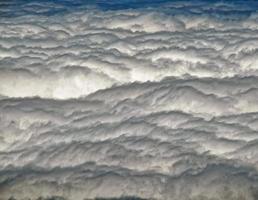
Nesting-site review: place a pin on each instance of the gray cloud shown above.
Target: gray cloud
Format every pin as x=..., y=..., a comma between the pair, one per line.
x=129, y=103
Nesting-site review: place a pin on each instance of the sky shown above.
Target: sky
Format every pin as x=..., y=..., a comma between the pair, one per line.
x=148, y=99
x=50, y=7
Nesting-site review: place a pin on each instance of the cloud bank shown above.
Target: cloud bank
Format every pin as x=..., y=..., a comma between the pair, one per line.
x=139, y=102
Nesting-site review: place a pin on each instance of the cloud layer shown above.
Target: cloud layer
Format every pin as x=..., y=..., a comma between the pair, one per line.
x=140, y=102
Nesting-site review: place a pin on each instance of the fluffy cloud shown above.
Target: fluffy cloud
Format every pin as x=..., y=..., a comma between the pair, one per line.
x=130, y=103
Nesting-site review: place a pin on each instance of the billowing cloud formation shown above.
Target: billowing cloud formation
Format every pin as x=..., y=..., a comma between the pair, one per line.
x=136, y=102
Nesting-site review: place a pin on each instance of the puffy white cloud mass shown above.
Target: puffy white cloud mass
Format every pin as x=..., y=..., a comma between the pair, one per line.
x=138, y=102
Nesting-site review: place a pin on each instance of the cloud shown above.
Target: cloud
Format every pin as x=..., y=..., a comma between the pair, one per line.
x=88, y=51
x=137, y=102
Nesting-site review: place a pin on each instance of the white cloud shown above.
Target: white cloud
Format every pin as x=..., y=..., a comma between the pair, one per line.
x=133, y=102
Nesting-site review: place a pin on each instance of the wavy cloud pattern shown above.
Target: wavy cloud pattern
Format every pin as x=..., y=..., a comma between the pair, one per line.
x=139, y=102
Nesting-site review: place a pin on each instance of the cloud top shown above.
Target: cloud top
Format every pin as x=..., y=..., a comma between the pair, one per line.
x=155, y=102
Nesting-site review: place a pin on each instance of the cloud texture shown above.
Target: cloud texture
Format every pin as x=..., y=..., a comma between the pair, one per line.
x=139, y=102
